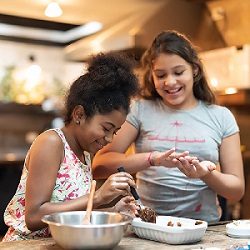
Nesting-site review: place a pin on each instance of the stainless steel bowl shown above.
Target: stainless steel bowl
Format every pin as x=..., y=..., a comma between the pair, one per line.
x=105, y=232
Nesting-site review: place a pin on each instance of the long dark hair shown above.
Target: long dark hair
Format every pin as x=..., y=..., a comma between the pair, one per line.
x=172, y=42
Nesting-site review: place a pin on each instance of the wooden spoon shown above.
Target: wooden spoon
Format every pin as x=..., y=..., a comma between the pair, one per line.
x=90, y=203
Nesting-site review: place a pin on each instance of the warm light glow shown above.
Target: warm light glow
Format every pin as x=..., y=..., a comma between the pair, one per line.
x=29, y=84
x=53, y=10
x=10, y=157
x=214, y=82
x=230, y=91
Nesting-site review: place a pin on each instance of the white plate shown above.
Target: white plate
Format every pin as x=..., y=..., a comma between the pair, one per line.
x=188, y=232
x=238, y=229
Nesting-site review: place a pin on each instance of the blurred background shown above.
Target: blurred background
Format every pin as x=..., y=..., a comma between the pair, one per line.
x=44, y=44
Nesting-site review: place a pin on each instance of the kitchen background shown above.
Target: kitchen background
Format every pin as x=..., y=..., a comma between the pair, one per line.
x=41, y=56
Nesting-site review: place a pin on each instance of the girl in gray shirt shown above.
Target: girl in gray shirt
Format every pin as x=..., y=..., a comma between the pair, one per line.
x=179, y=135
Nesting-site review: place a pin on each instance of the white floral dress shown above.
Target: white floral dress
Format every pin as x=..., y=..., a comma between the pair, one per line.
x=73, y=180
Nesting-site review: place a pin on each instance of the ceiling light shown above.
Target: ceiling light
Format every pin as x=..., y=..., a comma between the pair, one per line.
x=53, y=10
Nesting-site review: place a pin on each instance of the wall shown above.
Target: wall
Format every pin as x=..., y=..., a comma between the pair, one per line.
x=51, y=60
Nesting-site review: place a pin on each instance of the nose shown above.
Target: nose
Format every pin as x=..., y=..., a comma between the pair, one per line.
x=108, y=137
x=170, y=80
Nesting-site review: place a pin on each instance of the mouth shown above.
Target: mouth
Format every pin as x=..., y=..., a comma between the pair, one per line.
x=173, y=91
x=99, y=145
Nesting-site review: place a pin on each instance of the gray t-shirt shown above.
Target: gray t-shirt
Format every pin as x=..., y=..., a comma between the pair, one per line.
x=200, y=131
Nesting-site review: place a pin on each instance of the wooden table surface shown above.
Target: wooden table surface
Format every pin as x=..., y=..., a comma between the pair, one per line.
x=215, y=237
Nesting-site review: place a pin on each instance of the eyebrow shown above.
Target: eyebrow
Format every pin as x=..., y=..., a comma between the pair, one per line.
x=176, y=67
x=111, y=124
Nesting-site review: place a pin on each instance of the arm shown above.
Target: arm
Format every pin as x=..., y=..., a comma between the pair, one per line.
x=112, y=156
x=228, y=183
x=43, y=162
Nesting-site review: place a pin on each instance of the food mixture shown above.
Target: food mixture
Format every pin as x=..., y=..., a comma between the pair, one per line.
x=178, y=223
x=147, y=215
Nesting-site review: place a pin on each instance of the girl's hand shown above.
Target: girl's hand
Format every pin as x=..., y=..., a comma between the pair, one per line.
x=127, y=206
x=117, y=184
x=167, y=158
x=195, y=168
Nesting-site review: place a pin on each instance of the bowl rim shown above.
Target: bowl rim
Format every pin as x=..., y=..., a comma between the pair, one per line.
x=126, y=220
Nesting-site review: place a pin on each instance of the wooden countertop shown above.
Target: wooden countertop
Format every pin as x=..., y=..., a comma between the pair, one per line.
x=215, y=237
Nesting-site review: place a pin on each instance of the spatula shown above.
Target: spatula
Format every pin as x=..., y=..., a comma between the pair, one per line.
x=90, y=203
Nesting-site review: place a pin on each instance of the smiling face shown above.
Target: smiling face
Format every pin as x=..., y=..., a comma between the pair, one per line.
x=98, y=131
x=173, y=79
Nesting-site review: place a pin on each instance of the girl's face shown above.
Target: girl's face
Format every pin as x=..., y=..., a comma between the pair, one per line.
x=98, y=131
x=173, y=79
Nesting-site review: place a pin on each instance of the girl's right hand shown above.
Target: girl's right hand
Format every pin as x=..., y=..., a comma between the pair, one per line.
x=117, y=184
x=168, y=158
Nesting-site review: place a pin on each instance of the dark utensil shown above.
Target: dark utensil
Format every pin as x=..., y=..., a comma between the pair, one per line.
x=132, y=190
x=145, y=213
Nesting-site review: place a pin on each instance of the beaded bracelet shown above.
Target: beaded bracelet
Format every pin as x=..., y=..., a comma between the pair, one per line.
x=151, y=158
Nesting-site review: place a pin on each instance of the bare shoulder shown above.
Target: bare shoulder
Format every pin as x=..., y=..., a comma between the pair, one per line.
x=49, y=137
x=48, y=145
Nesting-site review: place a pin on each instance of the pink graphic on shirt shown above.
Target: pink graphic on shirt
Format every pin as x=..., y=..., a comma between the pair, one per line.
x=198, y=208
x=178, y=133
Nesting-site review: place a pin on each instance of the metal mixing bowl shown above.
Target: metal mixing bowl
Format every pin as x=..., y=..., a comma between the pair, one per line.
x=105, y=232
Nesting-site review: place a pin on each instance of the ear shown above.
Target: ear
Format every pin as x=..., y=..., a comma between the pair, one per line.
x=78, y=114
x=195, y=70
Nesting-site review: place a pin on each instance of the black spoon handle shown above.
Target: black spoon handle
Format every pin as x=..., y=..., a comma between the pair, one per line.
x=132, y=189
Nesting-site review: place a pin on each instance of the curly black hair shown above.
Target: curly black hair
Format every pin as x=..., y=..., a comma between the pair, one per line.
x=108, y=85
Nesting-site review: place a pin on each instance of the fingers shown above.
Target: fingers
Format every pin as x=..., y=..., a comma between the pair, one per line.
x=127, y=206
x=169, y=152
x=123, y=177
x=121, y=183
x=195, y=168
x=183, y=154
x=209, y=165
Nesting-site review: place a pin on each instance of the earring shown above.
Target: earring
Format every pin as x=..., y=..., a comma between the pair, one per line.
x=77, y=122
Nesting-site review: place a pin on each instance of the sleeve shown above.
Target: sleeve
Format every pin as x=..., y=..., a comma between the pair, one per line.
x=133, y=116
x=229, y=123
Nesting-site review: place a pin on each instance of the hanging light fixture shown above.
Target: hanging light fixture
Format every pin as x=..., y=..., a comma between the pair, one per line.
x=53, y=9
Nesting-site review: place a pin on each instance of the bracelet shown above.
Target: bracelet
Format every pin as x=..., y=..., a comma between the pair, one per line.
x=151, y=158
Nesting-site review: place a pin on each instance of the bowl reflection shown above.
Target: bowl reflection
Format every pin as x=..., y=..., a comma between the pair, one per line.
x=105, y=232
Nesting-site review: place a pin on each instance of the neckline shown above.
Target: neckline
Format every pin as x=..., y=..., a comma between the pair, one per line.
x=66, y=142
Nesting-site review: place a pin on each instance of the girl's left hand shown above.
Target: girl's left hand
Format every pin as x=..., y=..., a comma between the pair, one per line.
x=128, y=206
x=195, y=168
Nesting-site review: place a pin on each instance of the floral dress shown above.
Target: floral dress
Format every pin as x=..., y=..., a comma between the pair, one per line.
x=73, y=180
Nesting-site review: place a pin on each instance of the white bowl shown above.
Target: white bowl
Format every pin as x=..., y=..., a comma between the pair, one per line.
x=188, y=232
x=238, y=229
x=105, y=232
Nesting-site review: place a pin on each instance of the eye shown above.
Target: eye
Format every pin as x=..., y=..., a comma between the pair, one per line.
x=108, y=130
x=160, y=76
x=105, y=129
x=179, y=72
